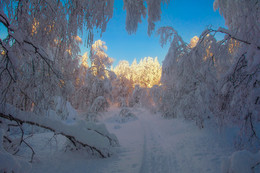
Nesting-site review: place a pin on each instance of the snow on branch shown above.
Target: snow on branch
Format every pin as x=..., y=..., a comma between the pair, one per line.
x=3, y=19
x=136, y=9
x=166, y=34
x=24, y=45
x=227, y=32
x=92, y=136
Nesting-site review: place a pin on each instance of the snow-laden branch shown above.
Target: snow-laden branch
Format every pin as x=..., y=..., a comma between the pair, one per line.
x=227, y=32
x=167, y=33
x=25, y=45
x=82, y=134
x=3, y=19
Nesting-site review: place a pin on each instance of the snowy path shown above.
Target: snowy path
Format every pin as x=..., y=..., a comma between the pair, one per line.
x=157, y=153
x=149, y=144
x=157, y=145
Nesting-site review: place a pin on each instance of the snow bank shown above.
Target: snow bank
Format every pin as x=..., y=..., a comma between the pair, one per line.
x=125, y=115
x=63, y=109
x=94, y=136
x=242, y=162
x=10, y=163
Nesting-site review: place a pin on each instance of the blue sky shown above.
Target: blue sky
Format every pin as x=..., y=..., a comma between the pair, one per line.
x=188, y=17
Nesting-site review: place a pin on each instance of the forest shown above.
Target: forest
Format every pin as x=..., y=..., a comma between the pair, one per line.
x=58, y=107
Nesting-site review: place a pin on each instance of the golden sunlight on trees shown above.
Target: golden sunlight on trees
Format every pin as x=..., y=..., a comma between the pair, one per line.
x=78, y=39
x=100, y=61
x=233, y=45
x=84, y=60
x=146, y=74
x=83, y=66
x=208, y=53
x=35, y=25
x=2, y=52
x=193, y=41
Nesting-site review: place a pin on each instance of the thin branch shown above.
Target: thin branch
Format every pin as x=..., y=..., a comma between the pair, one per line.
x=23, y=141
x=42, y=56
x=5, y=22
x=33, y=153
x=249, y=116
x=231, y=36
x=71, y=138
x=253, y=167
x=6, y=138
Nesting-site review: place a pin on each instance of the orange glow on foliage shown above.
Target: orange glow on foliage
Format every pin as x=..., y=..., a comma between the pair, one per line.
x=146, y=74
x=233, y=45
x=61, y=83
x=3, y=52
x=194, y=41
x=35, y=25
x=209, y=54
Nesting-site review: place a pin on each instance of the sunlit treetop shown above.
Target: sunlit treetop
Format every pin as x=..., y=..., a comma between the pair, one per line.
x=193, y=41
x=146, y=73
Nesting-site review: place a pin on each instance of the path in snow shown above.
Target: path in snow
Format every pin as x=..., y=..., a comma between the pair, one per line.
x=148, y=144
x=153, y=144
x=158, y=155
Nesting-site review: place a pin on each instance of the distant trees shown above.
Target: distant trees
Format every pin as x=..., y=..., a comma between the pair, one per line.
x=144, y=74
x=94, y=88
x=123, y=85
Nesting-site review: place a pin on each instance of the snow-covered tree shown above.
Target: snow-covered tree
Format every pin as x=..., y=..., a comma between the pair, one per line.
x=39, y=57
x=94, y=88
x=217, y=79
x=240, y=90
x=136, y=9
x=100, y=61
x=144, y=74
x=123, y=85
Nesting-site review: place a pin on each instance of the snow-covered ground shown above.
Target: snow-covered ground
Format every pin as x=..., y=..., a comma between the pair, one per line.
x=148, y=143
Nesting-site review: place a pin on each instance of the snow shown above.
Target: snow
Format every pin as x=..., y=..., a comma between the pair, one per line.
x=242, y=162
x=149, y=143
x=90, y=133
x=9, y=163
x=216, y=84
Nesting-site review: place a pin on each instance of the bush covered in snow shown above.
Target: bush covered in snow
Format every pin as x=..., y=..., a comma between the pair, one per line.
x=126, y=115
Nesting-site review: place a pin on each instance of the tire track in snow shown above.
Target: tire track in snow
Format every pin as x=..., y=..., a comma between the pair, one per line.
x=157, y=153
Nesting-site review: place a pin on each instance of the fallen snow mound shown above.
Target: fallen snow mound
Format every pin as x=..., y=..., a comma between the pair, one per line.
x=126, y=115
x=86, y=134
x=242, y=162
x=10, y=163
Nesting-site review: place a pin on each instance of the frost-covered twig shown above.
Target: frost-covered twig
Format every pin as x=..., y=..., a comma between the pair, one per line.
x=224, y=31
